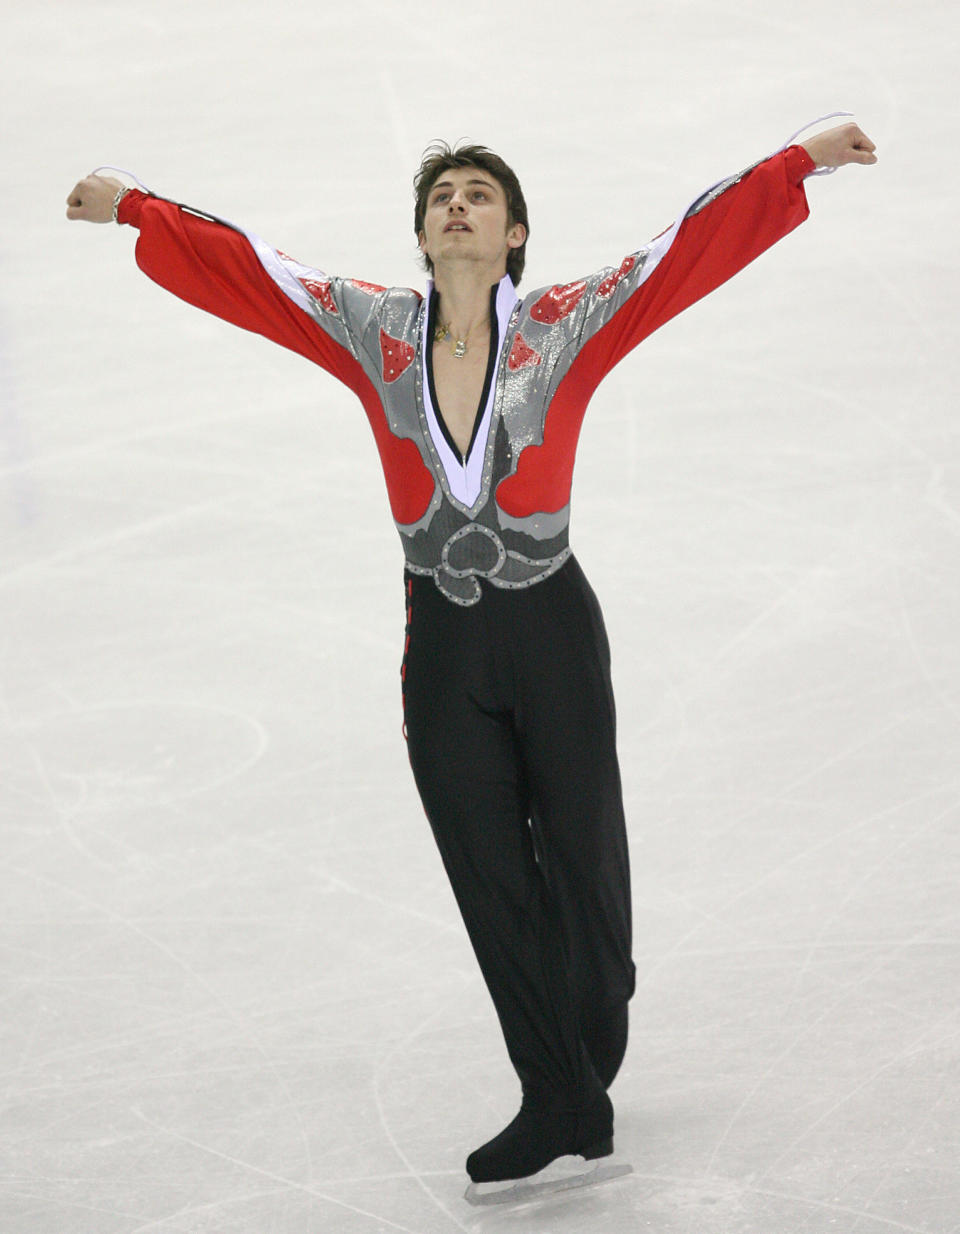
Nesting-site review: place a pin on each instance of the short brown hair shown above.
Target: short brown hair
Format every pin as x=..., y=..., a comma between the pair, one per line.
x=439, y=157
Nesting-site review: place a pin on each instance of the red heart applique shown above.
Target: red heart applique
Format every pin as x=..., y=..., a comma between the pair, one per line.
x=608, y=285
x=322, y=293
x=522, y=354
x=558, y=302
x=397, y=356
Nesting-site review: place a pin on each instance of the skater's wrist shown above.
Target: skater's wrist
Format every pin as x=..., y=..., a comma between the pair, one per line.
x=129, y=206
x=117, y=198
x=799, y=164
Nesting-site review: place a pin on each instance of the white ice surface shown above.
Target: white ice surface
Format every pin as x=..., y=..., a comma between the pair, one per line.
x=237, y=996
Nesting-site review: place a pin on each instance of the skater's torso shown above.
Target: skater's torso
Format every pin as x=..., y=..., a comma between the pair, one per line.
x=466, y=506
x=479, y=460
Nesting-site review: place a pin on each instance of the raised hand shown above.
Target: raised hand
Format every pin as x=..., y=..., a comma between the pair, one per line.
x=91, y=200
x=847, y=143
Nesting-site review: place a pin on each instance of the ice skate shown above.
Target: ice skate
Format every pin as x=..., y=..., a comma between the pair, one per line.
x=563, y=1174
x=545, y=1150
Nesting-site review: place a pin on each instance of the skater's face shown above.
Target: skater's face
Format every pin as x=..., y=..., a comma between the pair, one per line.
x=466, y=220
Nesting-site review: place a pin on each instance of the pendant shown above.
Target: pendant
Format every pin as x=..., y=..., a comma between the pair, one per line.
x=440, y=332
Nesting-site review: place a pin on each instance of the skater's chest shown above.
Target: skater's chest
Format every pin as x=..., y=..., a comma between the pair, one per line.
x=459, y=386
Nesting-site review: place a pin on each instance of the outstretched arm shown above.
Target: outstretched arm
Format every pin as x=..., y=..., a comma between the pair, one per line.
x=233, y=274
x=723, y=231
x=611, y=312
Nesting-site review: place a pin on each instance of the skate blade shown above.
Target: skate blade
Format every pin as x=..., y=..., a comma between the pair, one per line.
x=564, y=1174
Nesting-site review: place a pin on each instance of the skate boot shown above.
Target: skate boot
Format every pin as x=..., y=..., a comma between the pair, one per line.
x=549, y=1146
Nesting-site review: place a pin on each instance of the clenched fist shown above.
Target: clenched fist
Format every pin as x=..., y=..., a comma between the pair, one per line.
x=847, y=143
x=92, y=199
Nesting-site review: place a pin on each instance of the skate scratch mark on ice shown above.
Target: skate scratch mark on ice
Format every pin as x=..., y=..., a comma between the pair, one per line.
x=878, y=964
x=817, y=942
x=277, y=1178
x=30, y=1033
x=205, y=466
x=805, y=1031
x=232, y=1013
x=757, y=948
x=936, y=498
x=869, y=410
x=910, y=1146
x=132, y=532
x=788, y=593
x=804, y=854
x=40, y=1133
x=219, y=778
x=15, y=439
x=934, y=494
x=381, y=1066
x=802, y=1200
x=193, y=1209
x=679, y=723
x=848, y=751
x=899, y=721
x=405, y=909
x=906, y=443
x=280, y=852
x=917, y=1045
x=708, y=918
x=921, y=660
x=109, y=445
x=62, y=1204
x=395, y=1177
x=159, y=1032
x=65, y=815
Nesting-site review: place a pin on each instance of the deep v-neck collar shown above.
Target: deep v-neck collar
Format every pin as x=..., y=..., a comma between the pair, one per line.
x=494, y=347
x=464, y=476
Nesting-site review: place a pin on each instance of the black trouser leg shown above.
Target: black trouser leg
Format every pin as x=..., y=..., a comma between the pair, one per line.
x=511, y=736
x=567, y=727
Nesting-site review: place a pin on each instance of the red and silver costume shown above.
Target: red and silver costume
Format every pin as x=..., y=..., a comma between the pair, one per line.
x=502, y=514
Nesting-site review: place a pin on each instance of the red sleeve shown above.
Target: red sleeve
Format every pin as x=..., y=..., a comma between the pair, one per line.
x=711, y=246
x=214, y=267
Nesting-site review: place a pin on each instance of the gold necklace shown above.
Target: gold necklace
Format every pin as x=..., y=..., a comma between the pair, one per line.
x=441, y=332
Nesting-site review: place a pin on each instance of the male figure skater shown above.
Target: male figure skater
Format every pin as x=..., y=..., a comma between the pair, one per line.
x=475, y=398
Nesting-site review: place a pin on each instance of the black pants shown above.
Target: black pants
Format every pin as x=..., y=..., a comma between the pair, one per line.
x=511, y=733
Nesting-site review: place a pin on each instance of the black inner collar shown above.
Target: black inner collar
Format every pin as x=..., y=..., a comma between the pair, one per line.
x=488, y=378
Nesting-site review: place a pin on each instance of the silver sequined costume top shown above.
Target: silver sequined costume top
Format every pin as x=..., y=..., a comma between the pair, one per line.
x=503, y=513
